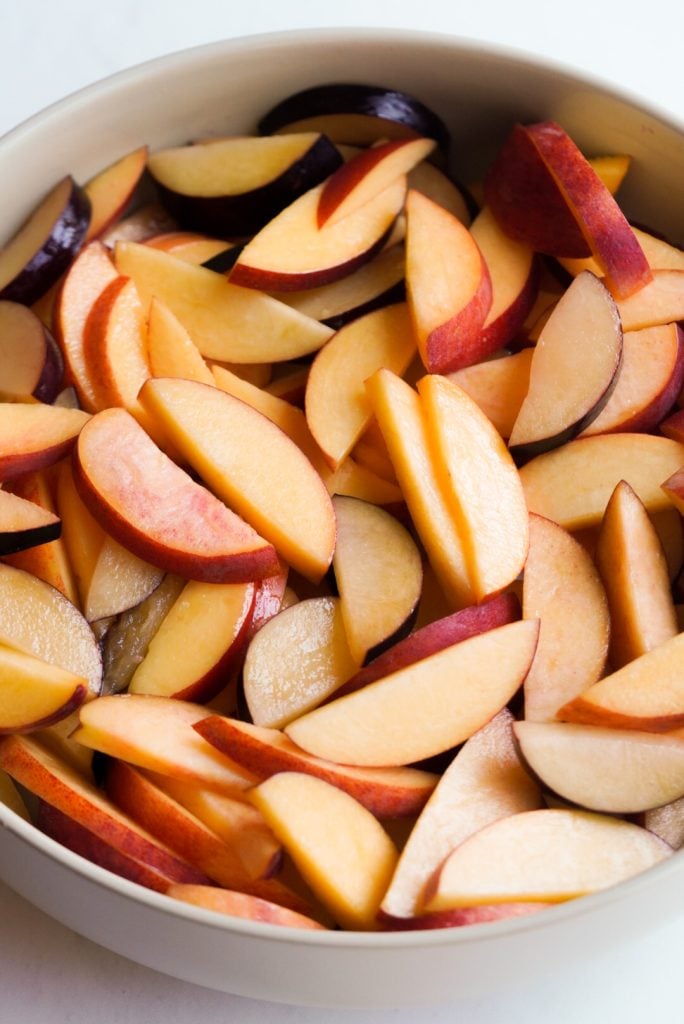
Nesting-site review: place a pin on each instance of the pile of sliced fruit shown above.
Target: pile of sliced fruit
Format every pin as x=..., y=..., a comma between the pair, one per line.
x=340, y=522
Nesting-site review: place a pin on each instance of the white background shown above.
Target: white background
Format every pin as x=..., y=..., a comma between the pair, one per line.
x=50, y=49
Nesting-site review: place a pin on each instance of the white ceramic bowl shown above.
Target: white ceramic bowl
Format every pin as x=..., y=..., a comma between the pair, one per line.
x=226, y=86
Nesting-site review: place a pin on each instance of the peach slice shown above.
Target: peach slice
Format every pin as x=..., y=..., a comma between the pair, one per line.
x=88, y=276
x=435, y=636
x=480, y=482
x=291, y=252
x=119, y=581
x=171, y=351
x=157, y=733
x=649, y=379
x=236, y=822
x=400, y=416
x=631, y=561
x=485, y=781
x=38, y=620
x=198, y=643
x=33, y=436
x=157, y=511
x=427, y=178
x=83, y=537
x=498, y=386
x=448, y=308
x=347, y=866
x=226, y=322
x=513, y=271
x=379, y=577
x=386, y=792
x=23, y=524
x=191, y=246
x=574, y=368
x=337, y=406
x=297, y=659
x=614, y=770
x=646, y=694
x=34, y=693
x=544, y=855
x=660, y=301
x=111, y=190
x=239, y=904
x=574, y=619
x=282, y=497
x=573, y=483
x=366, y=174
x=86, y=821
x=424, y=708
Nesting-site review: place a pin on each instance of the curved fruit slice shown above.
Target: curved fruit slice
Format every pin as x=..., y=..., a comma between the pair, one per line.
x=399, y=414
x=227, y=323
x=366, y=174
x=438, y=186
x=498, y=386
x=231, y=187
x=44, y=246
x=485, y=781
x=119, y=581
x=547, y=855
x=31, y=362
x=386, y=792
x=480, y=482
x=337, y=406
x=573, y=483
x=157, y=733
x=170, y=349
x=34, y=693
x=88, y=276
x=297, y=659
x=79, y=816
x=198, y=643
x=292, y=252
x=348, y=867
x=112, y=189
x=379, y=577
x=158, y=512
x=448, y=308
x=614, y=770
x=660, y=301
x=425, y=708
x=240, y=904
x=83, y=537
x=435, y=636
x=574, y=619
x=39, y=620
x=513, y=271
x=33, y=436
x=574, y=368
x=355, y=113
x=631, y=561
x=280, y=494
x=649, y=379
x=24, y=524
x=374, y=285
x=647, y=693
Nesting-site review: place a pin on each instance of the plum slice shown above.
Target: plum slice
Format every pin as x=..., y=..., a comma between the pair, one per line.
x=23, y=524
x=42, y=249
x=31, y=360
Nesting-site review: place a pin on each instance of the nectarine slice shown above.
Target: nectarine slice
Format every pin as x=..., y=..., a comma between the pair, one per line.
x=35, y=693
x=240, y=904
x=34, y=436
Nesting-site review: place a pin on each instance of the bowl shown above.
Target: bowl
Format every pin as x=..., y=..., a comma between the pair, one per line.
x=224, y=87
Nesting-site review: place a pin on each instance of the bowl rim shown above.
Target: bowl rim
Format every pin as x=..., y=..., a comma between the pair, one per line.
x=29, y=834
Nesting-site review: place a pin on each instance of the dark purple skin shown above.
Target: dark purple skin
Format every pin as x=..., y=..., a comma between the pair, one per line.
x=12, y=541
x=354, y=98
x=52, y=376
x=240, y=216
x=48, y=264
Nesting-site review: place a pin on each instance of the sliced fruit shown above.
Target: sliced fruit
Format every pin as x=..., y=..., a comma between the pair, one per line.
x=660, y=301
x=240, y=904
x=574, y=620
x=171, y=351
x=347, y=866
x=425, y=708
x=24, y=524
x=31, y=362
x=33, y=436
x=613, y=770
x=498, y=386
x=546, y=855
x=35, y=693
x=157, y=511
x=112, y=189
x=284, y=499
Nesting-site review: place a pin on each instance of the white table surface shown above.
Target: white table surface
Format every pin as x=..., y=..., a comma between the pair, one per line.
x=47, y=50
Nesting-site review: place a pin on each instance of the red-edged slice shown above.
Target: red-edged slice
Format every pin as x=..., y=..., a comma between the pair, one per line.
x=31, y=361
x=155, y=509
x=34, y=436
x=240, y=904
x=111, y=190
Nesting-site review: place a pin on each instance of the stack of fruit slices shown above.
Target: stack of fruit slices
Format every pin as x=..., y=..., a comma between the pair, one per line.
x=341, y=516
